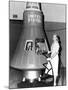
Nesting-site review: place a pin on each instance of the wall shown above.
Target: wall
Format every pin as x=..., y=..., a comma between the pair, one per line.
x=52, y=12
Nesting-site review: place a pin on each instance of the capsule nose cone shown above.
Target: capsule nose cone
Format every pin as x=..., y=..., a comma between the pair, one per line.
x=33, y=5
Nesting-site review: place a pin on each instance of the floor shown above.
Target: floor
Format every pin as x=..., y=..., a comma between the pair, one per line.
x=15, y=77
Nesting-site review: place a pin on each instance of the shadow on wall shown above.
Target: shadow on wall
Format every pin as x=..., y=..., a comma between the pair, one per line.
x=61, y=80
x=15, y=28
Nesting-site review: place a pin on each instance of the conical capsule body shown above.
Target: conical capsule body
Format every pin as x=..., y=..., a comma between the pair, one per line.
x=32, y=41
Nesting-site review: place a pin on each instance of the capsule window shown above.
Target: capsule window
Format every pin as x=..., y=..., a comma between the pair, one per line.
x=39, y=45
x=28, y=45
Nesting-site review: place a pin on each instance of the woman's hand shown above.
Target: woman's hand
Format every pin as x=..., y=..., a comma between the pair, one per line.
x=48, y=59
x=49, y=52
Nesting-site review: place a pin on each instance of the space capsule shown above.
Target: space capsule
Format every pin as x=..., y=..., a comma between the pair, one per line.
x=28, y=54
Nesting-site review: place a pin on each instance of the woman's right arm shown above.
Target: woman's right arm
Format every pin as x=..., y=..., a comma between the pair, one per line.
x=49, y=52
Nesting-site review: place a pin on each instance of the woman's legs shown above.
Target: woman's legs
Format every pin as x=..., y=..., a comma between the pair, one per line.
x=55, y=77
x=55, y=71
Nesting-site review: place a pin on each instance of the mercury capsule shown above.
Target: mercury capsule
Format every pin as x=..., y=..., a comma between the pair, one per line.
x=28, y=57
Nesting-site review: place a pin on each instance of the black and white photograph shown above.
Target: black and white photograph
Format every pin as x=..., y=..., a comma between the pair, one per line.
x=37, y=44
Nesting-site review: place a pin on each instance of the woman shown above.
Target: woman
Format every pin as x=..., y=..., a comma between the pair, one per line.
x=54, y=56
